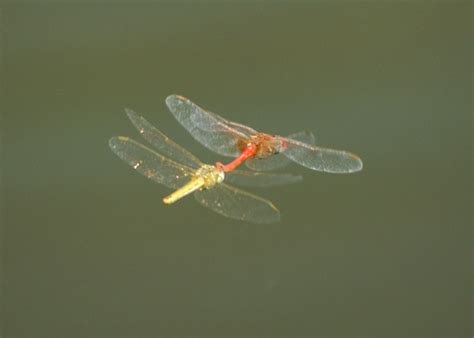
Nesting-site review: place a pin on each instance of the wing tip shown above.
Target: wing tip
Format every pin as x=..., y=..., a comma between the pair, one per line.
x=275, y=215
x=115, y=140
x=359, y=165
x=131, y=114
x=112, y=142
x=354, y=165
x=171, y=99
x=275, y=218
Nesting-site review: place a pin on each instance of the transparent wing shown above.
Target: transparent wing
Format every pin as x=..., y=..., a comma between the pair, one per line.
x=212, y=126
x=272, y=162
x=237, y=126
x=260, y=179
x=207, y=128
x=322, y=159
x=304, y=136
x=149, y=163
x=238, y=204
x=162, y=142
x=278, y=161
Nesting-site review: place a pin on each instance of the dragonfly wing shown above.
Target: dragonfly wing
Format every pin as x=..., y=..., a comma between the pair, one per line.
x=238, y=204
x=206, y=128
x=279, y=161
x=304, y=136
x=260, y=179
x=162, y=142
x=149, y=163
x=237, y=126
x=271, y=162
x=322, y=159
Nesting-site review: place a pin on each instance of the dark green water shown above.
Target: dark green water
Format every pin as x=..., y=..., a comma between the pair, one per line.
x=88, y=248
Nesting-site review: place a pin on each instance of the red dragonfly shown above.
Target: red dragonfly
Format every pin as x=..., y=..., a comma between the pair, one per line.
x=260, y=151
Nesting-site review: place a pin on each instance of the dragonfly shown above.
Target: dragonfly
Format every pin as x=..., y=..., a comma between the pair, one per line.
x=260, y=151
x=184, y=172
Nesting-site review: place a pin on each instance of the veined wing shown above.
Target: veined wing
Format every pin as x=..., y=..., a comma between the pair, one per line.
x=260, y=179
x=279, y=160
x=205, y=127
x=149, y=163
x=322, y=159
x=304, y=136
x=162, y=142
x=238, y=204
x=271, y=162
x=237, y=126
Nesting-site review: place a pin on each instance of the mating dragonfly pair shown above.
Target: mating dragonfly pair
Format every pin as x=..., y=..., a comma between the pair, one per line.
x=175, y=167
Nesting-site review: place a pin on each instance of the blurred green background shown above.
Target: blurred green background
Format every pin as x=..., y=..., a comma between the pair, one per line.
x=89, y=249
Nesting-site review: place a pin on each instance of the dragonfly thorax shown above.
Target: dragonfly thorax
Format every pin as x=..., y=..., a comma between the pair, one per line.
x=210, y=174
x=265, y=144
